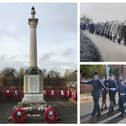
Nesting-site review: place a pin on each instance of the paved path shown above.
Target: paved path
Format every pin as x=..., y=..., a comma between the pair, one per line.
x=109, y=50
x=114, y=117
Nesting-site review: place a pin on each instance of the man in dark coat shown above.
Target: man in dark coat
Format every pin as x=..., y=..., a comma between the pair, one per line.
x=97, y=85
x=104, y=93
x=122, y=98
x=112, y=85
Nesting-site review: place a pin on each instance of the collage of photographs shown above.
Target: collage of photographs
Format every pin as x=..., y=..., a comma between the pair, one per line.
x=62, y=62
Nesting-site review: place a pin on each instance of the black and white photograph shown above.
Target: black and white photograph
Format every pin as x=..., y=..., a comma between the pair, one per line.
x=102, y=32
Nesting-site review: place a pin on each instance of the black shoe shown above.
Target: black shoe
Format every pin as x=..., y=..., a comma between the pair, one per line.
x=93, y=117
x=122, y=115
x=111, y=111
x=105, y=107
x=99, y=114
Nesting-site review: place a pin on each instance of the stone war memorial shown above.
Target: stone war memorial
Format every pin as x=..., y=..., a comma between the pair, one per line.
x=40, y=99
x=33, y=80
x=33, y=103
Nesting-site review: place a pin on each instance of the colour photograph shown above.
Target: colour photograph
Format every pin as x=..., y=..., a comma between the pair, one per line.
x=38, y=68
x=102, y=93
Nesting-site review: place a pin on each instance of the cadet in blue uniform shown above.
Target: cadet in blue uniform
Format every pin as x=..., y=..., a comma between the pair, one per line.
x=119, y=81
x=112, y=85
x=122, y=98
x=104, y=93
x=97, y=85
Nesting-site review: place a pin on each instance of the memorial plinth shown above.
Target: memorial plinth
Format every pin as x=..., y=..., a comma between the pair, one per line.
x=33, y=86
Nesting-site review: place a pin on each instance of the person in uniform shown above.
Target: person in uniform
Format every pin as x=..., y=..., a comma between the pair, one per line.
x=124, y=33
x=104, y=93
x=122, y=98
x=112, y=85
x=119, y=81
x=97, y=85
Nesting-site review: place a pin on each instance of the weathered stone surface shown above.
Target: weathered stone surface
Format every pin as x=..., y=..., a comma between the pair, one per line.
x=33, y=80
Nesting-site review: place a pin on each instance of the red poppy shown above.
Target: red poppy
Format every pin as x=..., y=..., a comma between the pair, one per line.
x=51, y=115
x=19, y=115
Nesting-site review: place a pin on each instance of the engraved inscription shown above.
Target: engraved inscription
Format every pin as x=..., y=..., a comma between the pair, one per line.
x=33, y=84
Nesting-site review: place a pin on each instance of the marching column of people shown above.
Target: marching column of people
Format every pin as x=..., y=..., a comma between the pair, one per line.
x=104, y=86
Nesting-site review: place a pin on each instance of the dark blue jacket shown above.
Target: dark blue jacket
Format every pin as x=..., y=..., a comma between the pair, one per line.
x=105, y=86
x=118, y=82
x=112, y=84
x=122, y=89
x=97, y=85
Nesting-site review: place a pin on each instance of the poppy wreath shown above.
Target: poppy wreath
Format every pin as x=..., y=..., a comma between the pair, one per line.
x=68, y=93
x=50, y=115
x=19, y=115
x=75, y=96
x=62, y=93
x=7, y=93
x=15, y=95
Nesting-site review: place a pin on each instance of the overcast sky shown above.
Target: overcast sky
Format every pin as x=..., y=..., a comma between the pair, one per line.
x=56, y=35
x=104, y=11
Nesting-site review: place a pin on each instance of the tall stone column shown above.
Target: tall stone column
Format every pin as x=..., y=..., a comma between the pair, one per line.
x=33, y=78
x=33, y=41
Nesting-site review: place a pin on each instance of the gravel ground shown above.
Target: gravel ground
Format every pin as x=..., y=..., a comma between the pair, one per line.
x=88, y=51
x=67, y=111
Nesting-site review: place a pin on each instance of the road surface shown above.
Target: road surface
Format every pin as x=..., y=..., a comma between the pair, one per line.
x=109, y=50
x=114, y=117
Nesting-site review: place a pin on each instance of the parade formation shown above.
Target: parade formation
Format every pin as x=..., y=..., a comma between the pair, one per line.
x=113, y=30
x=107, y=86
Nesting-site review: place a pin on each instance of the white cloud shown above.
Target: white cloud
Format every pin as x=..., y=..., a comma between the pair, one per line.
x=56, y=35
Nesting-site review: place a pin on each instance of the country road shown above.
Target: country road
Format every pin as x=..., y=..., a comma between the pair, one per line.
x=108, y=50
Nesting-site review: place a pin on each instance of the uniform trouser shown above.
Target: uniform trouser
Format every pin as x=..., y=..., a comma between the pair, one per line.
x=112, y=99
x=96, y=108
x=121, y=104
x=124, y=40
x=104, y=99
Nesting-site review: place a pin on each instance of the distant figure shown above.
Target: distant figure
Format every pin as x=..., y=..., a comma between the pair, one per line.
x=97, y=85
x=104, y=93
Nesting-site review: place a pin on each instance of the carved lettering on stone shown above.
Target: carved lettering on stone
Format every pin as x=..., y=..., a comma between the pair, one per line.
x=33, y=84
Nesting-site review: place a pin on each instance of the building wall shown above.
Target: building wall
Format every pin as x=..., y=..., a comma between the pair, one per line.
x=121, y=69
